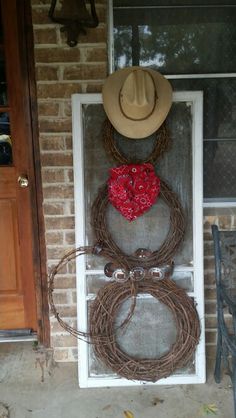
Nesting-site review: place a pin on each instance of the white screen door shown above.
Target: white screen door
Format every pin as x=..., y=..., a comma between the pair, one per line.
x=151, y=331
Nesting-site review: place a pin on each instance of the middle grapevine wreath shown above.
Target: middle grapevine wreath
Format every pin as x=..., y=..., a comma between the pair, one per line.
x=109, y=249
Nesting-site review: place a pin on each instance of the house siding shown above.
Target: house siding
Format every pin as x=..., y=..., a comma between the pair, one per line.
x=60, y=72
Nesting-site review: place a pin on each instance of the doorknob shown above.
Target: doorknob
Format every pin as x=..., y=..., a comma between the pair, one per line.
x=23, y=181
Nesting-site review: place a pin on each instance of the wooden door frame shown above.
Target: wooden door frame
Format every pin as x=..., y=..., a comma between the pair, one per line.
x=41, y=278
x=39, y=245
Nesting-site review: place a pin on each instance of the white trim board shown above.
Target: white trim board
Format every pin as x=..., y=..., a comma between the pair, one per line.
x=195, y=100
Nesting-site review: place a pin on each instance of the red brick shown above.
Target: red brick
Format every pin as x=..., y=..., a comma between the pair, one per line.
x=55, y=125
x=210, y=294
x=54, y=238
x=68, y=311
x=211, y=337
x=40, y=16
x=56, y=327
x=210, y=308
x=54, y=208
x=72, y=208
x=59, y=222
x=56, y=252
x=69, y=175
x=209, y=263
x=101, y=13
x=67, y=109
x=74, y=297
x=52, y=143
x=60, y=298
x=72, y=267
x=68, y=142
x=48, y=108
x=209, y=278
x=45, y=36
x=85, y=72
x=208, y=248
x=58, y=192
x=47, y=73
x=207, y=236
x=96, y=55
x=59, y=159
x=70, y=238
x=211, y=351
x=63, y=54
x=58, y=90
x=41, y=2
x=52, y=264
x=94, y=88
x=211, y=322
x=94, y=35
x=65, y=282
x=53, y=176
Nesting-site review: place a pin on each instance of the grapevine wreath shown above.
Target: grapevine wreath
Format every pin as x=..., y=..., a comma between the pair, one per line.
x=160, y=256
x=162, y=144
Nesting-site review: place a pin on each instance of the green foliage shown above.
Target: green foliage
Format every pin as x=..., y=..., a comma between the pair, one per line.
x=210, y=409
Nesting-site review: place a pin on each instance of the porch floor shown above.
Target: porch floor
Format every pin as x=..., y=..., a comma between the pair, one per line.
x=24, y=395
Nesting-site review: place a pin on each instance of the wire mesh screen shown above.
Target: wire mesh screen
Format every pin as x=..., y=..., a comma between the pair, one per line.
x=146, y=336
x=175, y=167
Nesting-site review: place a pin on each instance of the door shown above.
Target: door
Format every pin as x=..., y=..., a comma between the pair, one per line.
x=17, y=288
x=151, y=331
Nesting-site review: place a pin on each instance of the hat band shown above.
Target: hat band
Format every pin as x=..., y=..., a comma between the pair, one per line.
x=139, y=119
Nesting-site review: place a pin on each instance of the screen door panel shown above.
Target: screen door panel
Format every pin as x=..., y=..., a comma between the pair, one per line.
x=181, y=168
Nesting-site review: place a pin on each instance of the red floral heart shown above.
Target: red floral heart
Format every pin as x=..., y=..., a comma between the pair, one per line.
x=133, y=189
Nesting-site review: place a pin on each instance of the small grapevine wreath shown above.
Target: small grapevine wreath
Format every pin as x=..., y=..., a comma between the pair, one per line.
x=102, y=323
x=161, y=256
x=162, y=144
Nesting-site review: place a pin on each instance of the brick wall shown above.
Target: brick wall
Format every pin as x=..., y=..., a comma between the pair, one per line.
x=61, y=71
x=225, y=218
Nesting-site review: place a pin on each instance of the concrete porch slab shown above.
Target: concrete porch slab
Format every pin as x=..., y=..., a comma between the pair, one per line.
x=25, y=396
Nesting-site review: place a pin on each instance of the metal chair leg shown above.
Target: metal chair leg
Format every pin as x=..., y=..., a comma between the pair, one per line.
x=217, y=372
x=234, y=382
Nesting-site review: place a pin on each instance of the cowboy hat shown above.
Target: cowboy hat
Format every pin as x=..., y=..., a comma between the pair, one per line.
x=136, y=101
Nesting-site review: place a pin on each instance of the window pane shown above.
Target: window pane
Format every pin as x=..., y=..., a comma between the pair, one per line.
x=1, y=28
x=5, y=140
x=3, y=84
x=219, y=104
x=220, y=169
x=176, y=40
x=135, y=3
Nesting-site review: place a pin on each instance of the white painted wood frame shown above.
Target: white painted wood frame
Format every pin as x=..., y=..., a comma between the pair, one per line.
x=195, y=100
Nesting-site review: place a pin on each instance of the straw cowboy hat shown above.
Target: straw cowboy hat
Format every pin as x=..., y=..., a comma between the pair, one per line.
x=137, y=101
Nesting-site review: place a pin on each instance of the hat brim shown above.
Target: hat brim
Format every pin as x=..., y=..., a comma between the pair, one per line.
x=136, y=128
